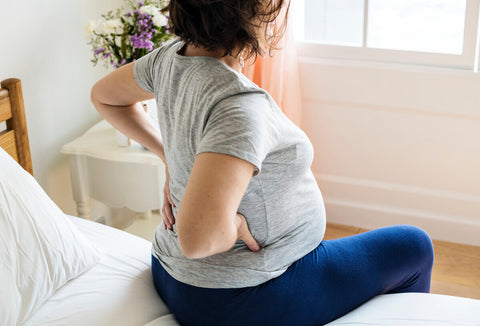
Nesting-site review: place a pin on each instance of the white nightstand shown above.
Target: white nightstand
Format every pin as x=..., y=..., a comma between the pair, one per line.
x=131, y=177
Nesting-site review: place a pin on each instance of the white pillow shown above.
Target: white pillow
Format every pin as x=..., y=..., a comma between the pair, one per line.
x=40, y=249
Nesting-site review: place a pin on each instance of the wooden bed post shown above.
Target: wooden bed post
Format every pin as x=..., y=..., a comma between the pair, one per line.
x=18, y=122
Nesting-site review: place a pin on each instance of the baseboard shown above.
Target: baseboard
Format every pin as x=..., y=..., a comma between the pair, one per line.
x=445, y=215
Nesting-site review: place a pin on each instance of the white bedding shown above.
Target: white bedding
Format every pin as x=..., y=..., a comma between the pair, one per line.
x=119, y=291
x=414, y=309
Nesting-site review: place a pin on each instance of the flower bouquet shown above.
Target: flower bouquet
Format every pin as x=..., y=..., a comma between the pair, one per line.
x=122, y=36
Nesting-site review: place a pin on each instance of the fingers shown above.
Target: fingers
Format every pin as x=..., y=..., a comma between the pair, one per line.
x=168, y=221
x=170, y=200
x=166, y=190
x=168, y=218
x=245, y=235
x=251, y=242
x=167, y=212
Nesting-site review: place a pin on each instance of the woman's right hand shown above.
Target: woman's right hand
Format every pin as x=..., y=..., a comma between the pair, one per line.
x=244, y=233
x=168, y=218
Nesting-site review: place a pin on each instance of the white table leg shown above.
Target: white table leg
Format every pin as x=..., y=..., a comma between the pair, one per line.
x=147, y=215
x=83, y=209
x=80, y=185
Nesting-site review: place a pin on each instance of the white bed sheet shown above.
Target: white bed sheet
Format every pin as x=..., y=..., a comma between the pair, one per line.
x=117, y=291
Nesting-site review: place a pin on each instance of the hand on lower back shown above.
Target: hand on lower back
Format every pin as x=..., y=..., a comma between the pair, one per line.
x=168, y=218
x=244, y=233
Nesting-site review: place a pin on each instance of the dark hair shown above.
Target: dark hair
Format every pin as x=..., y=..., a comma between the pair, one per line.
x=229, y=25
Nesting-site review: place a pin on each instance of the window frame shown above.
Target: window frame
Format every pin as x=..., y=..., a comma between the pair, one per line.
x=467, y=60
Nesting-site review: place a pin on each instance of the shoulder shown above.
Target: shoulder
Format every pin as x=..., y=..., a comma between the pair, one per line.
x=166, y=50
x=230, y=92
x=221, y=82
x=148, y=68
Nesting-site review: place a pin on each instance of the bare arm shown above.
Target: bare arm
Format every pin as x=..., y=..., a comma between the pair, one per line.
x=207, y=219
x=116, y=97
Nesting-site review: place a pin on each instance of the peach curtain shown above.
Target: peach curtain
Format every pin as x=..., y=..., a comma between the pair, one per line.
x=278, y=75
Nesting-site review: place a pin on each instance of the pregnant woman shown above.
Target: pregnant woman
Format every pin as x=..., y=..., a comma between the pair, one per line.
x=244, y=219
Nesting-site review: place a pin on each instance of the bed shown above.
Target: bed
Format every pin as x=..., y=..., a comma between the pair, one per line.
x=109, y=281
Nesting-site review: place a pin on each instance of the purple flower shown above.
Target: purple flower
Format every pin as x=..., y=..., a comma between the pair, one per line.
x=145, y=31
x=98, y=51
x=123, y=62
x=140, y=3
x=141, y=42
x=128, y=14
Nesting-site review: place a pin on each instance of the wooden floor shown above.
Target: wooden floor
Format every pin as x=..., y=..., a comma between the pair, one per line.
x=456, y=269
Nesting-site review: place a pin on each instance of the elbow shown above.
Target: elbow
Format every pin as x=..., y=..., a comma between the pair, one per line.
x=98, y=95
x=191, y=251
x=194, y=253
x=94, y=96
x=194, y=248
x=196, y=244
x=98, y=99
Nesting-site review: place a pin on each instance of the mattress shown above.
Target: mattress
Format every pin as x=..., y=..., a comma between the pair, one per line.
x=414, y=309
x=119, y=291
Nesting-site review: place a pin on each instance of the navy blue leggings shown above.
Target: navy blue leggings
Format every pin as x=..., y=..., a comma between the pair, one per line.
x=336, y=277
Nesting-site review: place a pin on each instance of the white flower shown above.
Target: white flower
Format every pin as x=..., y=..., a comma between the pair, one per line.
x=107, y=27
x=90, y=28
x=113, y=24
x=150, y=10
x=159, y=20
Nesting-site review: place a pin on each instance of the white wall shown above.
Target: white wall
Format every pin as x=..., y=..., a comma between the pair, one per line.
x=43, y=43
x=396, y=144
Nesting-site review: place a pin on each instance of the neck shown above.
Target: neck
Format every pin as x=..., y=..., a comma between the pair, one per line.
x=235, y=63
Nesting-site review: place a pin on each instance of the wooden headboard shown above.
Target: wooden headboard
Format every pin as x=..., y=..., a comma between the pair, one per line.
x=14, y=140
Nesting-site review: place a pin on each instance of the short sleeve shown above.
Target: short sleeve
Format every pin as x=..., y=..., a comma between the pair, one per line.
x=143, y=70
x=238, y=126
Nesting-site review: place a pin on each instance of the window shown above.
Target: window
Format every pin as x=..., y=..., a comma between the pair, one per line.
x=431, y=32
x=334, y=22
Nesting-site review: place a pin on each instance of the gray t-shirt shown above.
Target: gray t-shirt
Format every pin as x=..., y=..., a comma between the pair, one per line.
x=205, y=106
